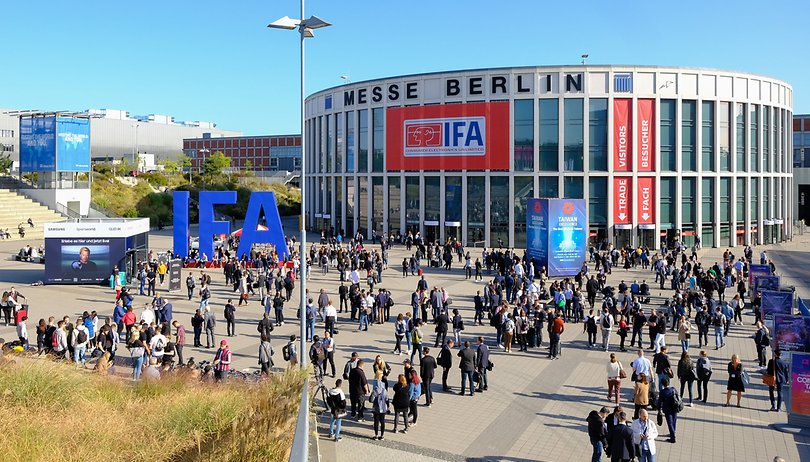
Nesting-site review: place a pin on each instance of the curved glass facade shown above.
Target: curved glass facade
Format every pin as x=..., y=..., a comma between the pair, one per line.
x=657, y=153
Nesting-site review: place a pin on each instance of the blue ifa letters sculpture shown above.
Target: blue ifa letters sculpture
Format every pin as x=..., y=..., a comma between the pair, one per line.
x=259, y=201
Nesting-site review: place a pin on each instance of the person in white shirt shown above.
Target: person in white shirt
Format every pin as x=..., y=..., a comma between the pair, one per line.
x=22, y=332
x=79, y=340
x=355, y=276
x=157, y=346
x=644, y=434
x=329, y=316
x=606, y=322
x=147, y=315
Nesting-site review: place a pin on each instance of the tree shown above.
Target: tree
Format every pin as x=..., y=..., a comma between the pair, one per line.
x=5, y=163
x=185, y=162
x=215, y=164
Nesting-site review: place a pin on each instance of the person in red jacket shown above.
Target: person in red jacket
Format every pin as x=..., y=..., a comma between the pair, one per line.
x=222, y=362
x=129, y=320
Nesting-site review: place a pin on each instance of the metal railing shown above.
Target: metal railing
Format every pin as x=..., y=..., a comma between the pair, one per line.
x=300, y=445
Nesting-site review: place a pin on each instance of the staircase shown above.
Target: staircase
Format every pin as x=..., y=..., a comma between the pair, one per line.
x=16, y=209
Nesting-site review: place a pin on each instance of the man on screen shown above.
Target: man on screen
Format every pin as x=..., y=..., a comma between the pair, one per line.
x=84, y=263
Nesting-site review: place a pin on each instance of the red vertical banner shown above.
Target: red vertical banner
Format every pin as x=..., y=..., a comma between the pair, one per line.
x=622, y=135
x=646, y=201
x=646, y=135
x=622, y=199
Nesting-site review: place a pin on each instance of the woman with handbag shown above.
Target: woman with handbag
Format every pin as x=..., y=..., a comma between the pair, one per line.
x=735, y=380
x=615, y=374
x=337, y=404
x=641, y=394
x=684, y=333
x=686, y=374
x=704, y=373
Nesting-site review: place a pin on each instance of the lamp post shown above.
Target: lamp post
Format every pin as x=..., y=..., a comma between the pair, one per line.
x=200, y=163
x=305, y=29
x=135, y=161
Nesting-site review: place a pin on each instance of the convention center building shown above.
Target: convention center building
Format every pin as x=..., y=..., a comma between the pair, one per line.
x=658, y=153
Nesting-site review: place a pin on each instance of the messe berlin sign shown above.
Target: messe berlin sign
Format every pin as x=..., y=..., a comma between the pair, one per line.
x=261, y=203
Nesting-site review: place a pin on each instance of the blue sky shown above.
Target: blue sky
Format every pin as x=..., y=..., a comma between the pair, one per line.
x=216, y=61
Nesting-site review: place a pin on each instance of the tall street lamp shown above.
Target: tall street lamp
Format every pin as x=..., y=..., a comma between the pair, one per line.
x=135, y=158
x=305, y=29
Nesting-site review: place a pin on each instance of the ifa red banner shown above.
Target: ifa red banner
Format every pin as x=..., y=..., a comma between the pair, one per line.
x=472, y=136
x=622, y=199
x=622, y=135
x=646, y=200
x=646, y=135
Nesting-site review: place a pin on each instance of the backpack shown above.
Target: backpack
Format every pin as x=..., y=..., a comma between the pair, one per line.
x=159, y=345
x=319, y=353
x=717, y=321
x=605, y=322
x=81, y=337
x=55, y=339
x=677, y=402
x=285, y=352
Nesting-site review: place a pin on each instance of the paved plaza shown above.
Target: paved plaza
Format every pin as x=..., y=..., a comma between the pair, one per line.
x=535, y=409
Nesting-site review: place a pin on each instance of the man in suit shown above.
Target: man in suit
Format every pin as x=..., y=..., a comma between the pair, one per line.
x=445, y=360
x=779, y=369
x=358, y=390
x=467, y=366
x=427, y=368
x=481, y=364
x=441, y=328
x=621, y=441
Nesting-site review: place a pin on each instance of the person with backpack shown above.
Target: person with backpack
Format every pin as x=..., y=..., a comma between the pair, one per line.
x=290, y=352
x=703, y=371
x=230, y=318
x=350, y=364
x=589, y=326
x=80, y=340
x=205, y=296
x=416, y=340
x=703, y=321
x=379, y=408
x=265, y=355
x=317, y=355
x=557, y=327
x=670, y=404
x=157, y=346
x=718, y=322
x=311, y=313
x=762, y=339
x=337, y=407
x=606, y=322
x=190, y=284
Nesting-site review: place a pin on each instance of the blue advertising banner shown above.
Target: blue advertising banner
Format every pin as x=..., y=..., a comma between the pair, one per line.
x=774, y=303
x=803, y=309
x=567, y=236
x=72, y=144
x=757, y=270
x=792, y=333
x=37, y=144
x=537, y=231
x=766, y=283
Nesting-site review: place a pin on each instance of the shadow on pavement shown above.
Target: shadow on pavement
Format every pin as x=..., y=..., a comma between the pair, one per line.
x=22, y=276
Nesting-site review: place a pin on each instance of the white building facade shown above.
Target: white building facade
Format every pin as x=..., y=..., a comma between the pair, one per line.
x=658, y=153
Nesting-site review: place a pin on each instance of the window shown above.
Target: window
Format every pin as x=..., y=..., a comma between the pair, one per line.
x=597, y=200
x=339, y=142
x=296, y=163
x=412, y=190
x=330, y=151
x=707, y=209
x=766, y=139
x=7, y=147
x=499, y=210
x=597, y=135
x=668, y=204
x=573, y=155
x=688, y=207
x=378, y=140
x=362, y=141
x=432, y=195
x=319, y=145
x=753, y=117
x=688, y=137
x=724, y=139
x=350, y=197
x=549, y=135
x=362, y=206
x=668, y=151
x=6, y=133
x=725, y=200
x=572, y=185
x=350, y=142
x=739, y=118
x=524, y=135
x=452, y=199
x=377, y=205
x=707, y=136
x=740, y=200
x=755, y=193
x=524, y=188
x=338, y=215
x=549, y=187
x=274, y=163
x=394, y=204
x=476, y=204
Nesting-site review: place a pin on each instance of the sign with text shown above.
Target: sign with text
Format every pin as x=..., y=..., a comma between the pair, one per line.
x=38, y=144
x=557, y=234
x=774, y=303
x=622, y=135
x=471, y=136
x=646, y=201
x=72, y=144
x=646, y=135
x=537, y=231
x=622, y=199
x=800, y=383
x=757, y=270
x=792, y=333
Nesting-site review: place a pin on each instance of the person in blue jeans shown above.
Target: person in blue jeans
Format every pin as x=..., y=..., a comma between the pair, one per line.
x=597, y=431
x=668, y=407
x=363, y=319
x=644, y=434
x=718, y=321
x=337, y=404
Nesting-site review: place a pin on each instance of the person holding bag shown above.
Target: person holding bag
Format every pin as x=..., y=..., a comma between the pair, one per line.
x=776, y=376
x=337, y=404
x=735, y=380
x=615, y=374
x=686, y=374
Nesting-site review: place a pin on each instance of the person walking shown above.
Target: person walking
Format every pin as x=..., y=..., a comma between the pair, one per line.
x=458, y=326
x=670, y=405
x=230, y=318
x=467, y=366
x=620, y=441
x=606, y=322
x=401, y=402
x=379, y=408
x=645, y=431
x=555, y=337
x=662, y=366
x=266, y=356
x=597, y=432
x=508, y=328
x=703, y=373
x=427, y=369
x=736, y=381
x=776, y=375
x=414, y=393
x=641, y=394
x=684, y=333
x=445, y=360
x=589, y=326
x=337, y=406
x=614, y=376
x=686, y=374
x=400, y=329
x=416, y=340
x=190, y=284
